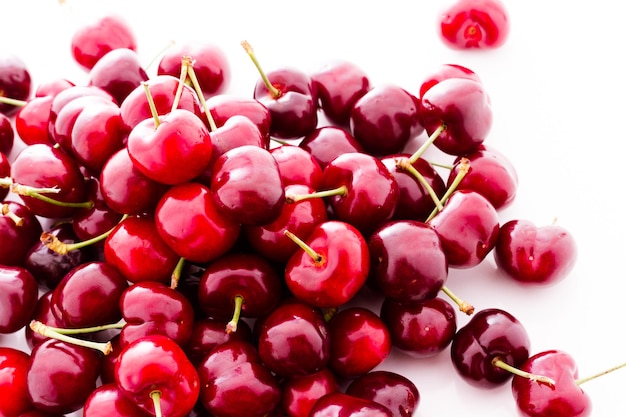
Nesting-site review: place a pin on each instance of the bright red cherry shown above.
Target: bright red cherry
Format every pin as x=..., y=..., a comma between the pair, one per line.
x=108, y=400
x=474, y=24
x=299, y=393
x=396, y=392
x=297, y=166
x=7, y=134
x=443, y=72
x=14, y=399
x=224, y=106
x=15, y=81
x=535, y=254
x=33, y=119
x=345, y=405
x=5, y=172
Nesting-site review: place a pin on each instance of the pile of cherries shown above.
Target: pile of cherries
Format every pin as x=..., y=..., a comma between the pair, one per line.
x=170, y=249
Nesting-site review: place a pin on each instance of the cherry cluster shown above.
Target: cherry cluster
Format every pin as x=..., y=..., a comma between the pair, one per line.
x=170, y=249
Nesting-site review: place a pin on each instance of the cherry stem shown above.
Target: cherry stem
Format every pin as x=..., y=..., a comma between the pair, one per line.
x=464, y=166
x=294, y=198
x=418, y=153
x=153, y=109
x=55, y=244
x=275, y=92
x=176, y=274
x=40, y=328
x=309, y=250
x=329, y=313
x=499, y=363
x=599, y=374
x=156, y=400
x=464, y=306
x=184, y=69
x=7, y=212
x=405, y=164
x=231, y=326
x=12, y=101
x=92, y=329
x=37, y=193
x=199, y=93
x=155, y=57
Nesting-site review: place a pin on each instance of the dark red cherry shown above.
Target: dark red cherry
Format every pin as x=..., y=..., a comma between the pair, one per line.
x=18, y=298
x=20, y=229
x=32, y=121
x=328, y=142
x=396, y=392
x=443, y=72
x=118, y=72
x=474, y=24
x=208, y=333
x=344, y=405
x=385, y=118
x=300, y=393
x=7, y=135
x=108, y=400
x=14, y=399
x=489, y=335
x=420, y=329
x=5, y=172
x=94, y=39
x=224, y=106
x=43, y=313
x=15, y=81
x=97, y=220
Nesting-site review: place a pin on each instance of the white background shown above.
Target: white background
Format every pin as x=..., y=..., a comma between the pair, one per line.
x=557, y=89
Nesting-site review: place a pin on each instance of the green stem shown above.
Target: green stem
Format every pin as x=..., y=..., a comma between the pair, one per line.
x=599, y=374
x=294, y=198
x=5, y=211
x=176, y=274
x=275, y=92
x=317, y=258
x=231, y=326
x=464, y=166
x=499, y=363
x=156, y=400
x=153, y=109
x=184, y=69
x=40, y=328
x=405, y=164
x=12, y=101
x=418, y=153
x=92, y=329
x=55, y=244
x=200, y=94
x=464, y=306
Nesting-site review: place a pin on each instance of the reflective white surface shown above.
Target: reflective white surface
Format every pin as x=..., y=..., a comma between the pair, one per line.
x=557, y=89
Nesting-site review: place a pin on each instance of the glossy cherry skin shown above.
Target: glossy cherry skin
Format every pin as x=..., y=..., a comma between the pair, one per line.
x=43, y=313
x=189, y=221
x=468, y=227
x=15, y=81
x=210, y=65
x=224, y=106
x=7, y=134
x=339, y=85
x=208, y=333
x=91, y=222
x=18, y=298
x=175, y=151
x=325, y=143
x=32, y=121
x=246, y=185
x=52, y=86
x=421, y=329
x=16, y=240
x=491, y=333
x=372, y=191
x=14, y=399
x=396, y=392
x=54, y=168
x=5, y=172
x=474, y=24
x=137, y=250
x=535, y=255
x=407, y=261
x=385, y=118
x=300, y=393
x=157, y=363
x=359, y=341
x=152, y=308
x=245, y=275
x=443, y=72
x=88, y=295
x=108, y=400
x=297, y=166
x=491, y=174
x=234, y=382
x=300, y=218
x=118, y=72
x=94, y=39
x=339, y=273
x=294, y=340
x=344, y=405
x=565, y=398
x=463, y=106
x=61, y=376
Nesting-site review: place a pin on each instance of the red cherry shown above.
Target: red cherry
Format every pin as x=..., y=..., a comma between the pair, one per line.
x=443, y=72
x=20, y=229
x=472, y=24
x=155, y=373
x=224, y=106
x=396, y=392
x=328, y=142
x=535, y=255
x=208, y=333
x=297, y=166
x=118, y=72
x=33, y=119
x=52, y=87
x=94, y=39
x=14, y=399
x=108, y=400
x=344, y=405
x=43, y=313
x=299, y=393
x=7, y=135
x=5, y=172
x=15, y=82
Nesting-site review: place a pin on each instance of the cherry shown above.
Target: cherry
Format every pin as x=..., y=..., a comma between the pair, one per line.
x=154, y=372
x=359, y=342
x=5, y=172
x=208, y=333
x=299, y=393
x=224, y=106
x=94, y=39
x=332, y=267
x=33, y=119
x=407, y=261
x=14, y=399
x=234, y=382
x=239, y=285
x=42, y=314
x=491, y=337
x=20, y=229
x=137, y=250
x=152, y=308
x=297, y=166
x=290, y=97
x=61, y=376
x=421, y=329
x=7, y=134
x=15, y=82
x=118, y=72
x=209, y=63
x=396, y=392
x=339, y=85
x=344, y=405
x=189, y=221
x=468, y=227
x=108, y=400
x=385, y=118
x=458, y=112
x=474, y=24
x=52, y=86
x=443, y=72
x=293, y=340
x=325, y=143
x=535, y=255
x=246, y=185
x=298, y=218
